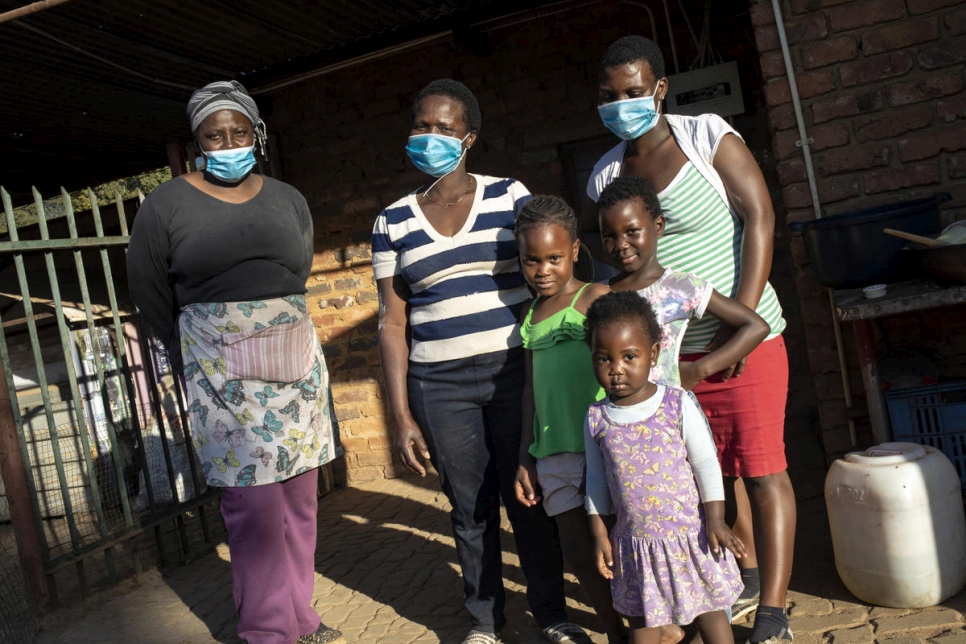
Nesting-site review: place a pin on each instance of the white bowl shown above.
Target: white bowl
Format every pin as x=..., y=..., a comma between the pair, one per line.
x=874, y=291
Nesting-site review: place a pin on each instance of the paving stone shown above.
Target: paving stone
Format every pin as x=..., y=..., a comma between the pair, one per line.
x=387, y=574
x=805, y=638
x=919, y=620
x=810, y=607
x=839, y=604
x=826, y=623
x=858, y=635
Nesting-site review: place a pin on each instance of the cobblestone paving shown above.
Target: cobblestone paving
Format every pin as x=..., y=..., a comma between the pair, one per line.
x=387, y=574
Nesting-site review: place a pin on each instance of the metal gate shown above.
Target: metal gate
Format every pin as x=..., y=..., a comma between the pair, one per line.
x=100, y=476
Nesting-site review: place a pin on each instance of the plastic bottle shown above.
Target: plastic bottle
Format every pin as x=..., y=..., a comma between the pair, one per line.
x=898, y=526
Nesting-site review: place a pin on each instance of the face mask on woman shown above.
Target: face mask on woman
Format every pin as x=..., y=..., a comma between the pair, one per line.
x=435, y=154
x=631, y=118
x=230, y=165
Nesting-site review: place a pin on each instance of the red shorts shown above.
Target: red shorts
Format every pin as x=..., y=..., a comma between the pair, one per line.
x=747, y=413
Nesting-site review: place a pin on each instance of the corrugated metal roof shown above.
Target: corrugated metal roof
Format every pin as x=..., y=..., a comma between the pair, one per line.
x=90, y=90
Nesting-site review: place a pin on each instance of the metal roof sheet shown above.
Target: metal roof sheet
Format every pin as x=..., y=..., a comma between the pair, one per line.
x=92, y=89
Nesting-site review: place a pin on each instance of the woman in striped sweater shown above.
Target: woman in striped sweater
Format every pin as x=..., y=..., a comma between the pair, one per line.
x=450, y=293
x=720, y=226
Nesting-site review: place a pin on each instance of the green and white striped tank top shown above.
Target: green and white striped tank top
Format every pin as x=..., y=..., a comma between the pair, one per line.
x=703, y=237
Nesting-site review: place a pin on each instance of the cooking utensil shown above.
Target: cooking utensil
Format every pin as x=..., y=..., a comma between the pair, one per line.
x=925, y=241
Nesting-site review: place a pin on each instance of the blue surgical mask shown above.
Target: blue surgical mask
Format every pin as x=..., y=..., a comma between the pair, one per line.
x=435, y=154
x=230, y=165
x=631, y=118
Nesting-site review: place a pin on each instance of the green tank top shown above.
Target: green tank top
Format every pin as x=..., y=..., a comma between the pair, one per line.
x=564, y=385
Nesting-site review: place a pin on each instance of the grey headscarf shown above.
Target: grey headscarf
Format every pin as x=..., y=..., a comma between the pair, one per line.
x=225, y=95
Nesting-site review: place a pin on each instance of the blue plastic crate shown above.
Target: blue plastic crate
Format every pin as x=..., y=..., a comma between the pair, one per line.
x=933, y=415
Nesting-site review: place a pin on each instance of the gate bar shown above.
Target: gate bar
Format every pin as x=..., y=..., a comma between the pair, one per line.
x=41, y=374
x=18, y=489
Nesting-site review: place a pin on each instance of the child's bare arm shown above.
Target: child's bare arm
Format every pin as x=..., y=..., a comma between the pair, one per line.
x=749, y=330
x=525, y=485
x=603, y=552
x=719, y=534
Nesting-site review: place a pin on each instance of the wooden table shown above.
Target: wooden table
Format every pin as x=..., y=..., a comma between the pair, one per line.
x=852, y=306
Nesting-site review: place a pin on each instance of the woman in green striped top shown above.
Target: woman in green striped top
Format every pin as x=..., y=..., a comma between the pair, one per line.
x=720, y=226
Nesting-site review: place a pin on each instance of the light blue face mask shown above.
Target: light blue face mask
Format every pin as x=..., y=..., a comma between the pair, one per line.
x=230, y=165
x=435, y=154
x=631, y=118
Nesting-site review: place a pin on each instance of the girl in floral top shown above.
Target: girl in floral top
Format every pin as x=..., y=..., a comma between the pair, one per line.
x=631, y=220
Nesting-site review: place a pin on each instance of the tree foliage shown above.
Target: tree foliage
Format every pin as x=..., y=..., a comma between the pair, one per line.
x=54, y=206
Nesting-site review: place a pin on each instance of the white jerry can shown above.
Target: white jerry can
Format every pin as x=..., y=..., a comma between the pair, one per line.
x=898, y=526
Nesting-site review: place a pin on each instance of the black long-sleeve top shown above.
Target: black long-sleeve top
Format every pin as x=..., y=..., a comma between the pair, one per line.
x=188, y=247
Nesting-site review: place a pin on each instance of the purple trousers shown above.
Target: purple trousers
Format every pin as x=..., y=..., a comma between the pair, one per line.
x=271, y=536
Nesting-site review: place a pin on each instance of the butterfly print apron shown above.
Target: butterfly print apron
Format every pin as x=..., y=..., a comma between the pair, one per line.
x=258, y=390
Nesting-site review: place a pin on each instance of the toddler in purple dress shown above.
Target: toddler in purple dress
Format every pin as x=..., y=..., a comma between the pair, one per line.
x=650, y=453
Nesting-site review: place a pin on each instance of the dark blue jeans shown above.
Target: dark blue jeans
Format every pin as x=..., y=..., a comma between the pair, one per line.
x=469, y=412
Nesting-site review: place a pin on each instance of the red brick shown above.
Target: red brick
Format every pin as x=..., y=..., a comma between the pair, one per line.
x=851, y=158
x=766, y=38
x=762, y=14
x=799, y=214
x=891, y=123
x=869, y=70
x=781, y=117
x=956, y=166
x=801, y=6
x=919, y=147
x=908, y=176
x=837, y=189
x=822, y=361
x=826, y=136
x=811, y=27
x=796, y=195
x=818, y=336
x=925, y=6
x=772, y=65
x=826, y=52
x=948, y=51
x=354, y=444
x=955, y=22
x=823, y=137
x=900, y=35
x=783, y=144
x=925, y=90
x=792, y=171
x=815, y=84
x=950, y=110
x=865, y=13
x=363, y=474
x=835, y=107
x=930, y=144
x=382, y=457
x=777, y=93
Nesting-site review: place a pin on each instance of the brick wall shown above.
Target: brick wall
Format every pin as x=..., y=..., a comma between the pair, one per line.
x=883, y=89
x=341, y=140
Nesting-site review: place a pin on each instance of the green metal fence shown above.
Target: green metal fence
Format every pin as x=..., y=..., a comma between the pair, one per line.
x=98, y=426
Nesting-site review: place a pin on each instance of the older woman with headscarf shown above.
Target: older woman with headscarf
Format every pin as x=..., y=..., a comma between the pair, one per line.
x=217, y=265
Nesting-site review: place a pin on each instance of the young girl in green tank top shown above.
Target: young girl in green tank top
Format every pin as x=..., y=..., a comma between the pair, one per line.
x=560, y=388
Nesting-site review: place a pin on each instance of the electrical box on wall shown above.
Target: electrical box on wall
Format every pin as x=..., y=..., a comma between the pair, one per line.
x=714, y=89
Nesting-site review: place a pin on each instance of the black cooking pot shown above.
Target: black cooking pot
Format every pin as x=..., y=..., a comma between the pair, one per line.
x=850, y=250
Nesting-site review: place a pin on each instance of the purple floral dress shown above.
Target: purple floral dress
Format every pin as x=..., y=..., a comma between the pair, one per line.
x=664, y=569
